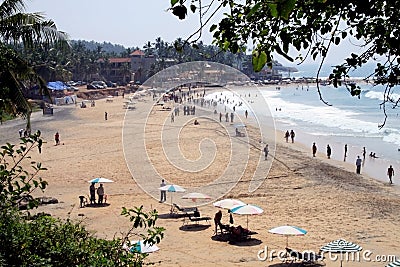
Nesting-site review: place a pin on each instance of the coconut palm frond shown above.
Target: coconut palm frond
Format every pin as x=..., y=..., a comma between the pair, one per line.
x=11, y=7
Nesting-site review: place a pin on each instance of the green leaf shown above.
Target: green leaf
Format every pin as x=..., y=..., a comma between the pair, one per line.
x=173, y=2
x=213, y=27
x=254, y=9
x=273, y=9
x=180, y=11
x=259, y=60
x=287, y=8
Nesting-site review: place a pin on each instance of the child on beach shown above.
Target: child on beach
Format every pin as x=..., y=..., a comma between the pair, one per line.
x=57, y=138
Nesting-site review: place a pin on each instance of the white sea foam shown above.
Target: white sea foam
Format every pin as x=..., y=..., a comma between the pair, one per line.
x=328, y=120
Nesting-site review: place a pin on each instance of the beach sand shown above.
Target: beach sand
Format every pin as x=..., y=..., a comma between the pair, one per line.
x=322, y=196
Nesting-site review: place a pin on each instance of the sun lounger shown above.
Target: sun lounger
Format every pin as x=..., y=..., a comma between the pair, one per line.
x=185, y=210
x=240, y=234
x=195, y=217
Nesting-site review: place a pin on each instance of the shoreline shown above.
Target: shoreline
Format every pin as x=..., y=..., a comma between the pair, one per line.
x=373, y=167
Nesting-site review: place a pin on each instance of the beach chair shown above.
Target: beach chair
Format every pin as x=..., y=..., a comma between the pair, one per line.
x=184, y=210
x=196, y=218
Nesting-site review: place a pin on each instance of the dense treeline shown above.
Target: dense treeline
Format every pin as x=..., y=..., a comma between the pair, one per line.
x=81, y=60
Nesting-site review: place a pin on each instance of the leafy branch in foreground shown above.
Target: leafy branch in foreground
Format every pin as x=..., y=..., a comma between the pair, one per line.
x=16, y=183
x=290, y=28
x=47, y=241
x=144, y=221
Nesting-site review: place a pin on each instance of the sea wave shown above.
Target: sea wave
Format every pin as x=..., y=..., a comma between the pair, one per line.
x=318, y=118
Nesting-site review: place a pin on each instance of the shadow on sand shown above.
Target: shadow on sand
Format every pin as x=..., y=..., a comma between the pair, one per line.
x=97, y=205
x=171, y=216
x=296, y=264
x=194, y=227
x=240, y=243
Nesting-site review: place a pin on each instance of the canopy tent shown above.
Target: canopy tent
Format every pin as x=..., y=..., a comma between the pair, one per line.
x=57, y=86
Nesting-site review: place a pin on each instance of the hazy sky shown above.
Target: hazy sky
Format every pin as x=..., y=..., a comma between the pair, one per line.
x=126, y=22
x=131, y=23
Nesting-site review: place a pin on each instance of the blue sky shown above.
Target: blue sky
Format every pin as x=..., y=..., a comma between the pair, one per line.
x=132, y=23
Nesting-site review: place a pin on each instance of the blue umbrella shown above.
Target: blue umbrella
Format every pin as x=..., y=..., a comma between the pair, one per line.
x=101, y=180
x=172, y=188
x=288, y=230
x=140, y=247
x=247, y=210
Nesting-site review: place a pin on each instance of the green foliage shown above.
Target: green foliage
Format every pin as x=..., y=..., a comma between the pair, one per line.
x=288, y=27
x=20, y=31
x=17, y=183
x=46, y=241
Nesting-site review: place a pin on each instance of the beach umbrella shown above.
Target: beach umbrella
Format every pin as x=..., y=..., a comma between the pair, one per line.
x=247, y=210
x=140, y=247
x=228, y=203
x=394, y=264
x=101, y=180
x=287, y=231
x=341, y=246
x=195, y=196
x=172, y=188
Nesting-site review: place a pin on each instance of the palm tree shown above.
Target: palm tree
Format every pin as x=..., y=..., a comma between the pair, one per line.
x=21, y=31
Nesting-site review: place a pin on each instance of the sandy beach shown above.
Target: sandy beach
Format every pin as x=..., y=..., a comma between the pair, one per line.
x=325, y=197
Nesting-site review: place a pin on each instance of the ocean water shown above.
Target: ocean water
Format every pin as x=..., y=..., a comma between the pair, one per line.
x=347, y=120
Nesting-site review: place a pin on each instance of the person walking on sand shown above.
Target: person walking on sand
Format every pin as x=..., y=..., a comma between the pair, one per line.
x=287, y=134
x=231, y=116
x=105, y=115
x=292, y=135
x=220, y=117
x=328, y=151
x=100, y=193
x=92, y=190
x=266, y=151
x=390, y=173
x=246, y=113
x=57, y=138
x=358, y=165
x=226, y=117
x=163, y=196
x=172, y=117
x=314, y=149
x=345, y=152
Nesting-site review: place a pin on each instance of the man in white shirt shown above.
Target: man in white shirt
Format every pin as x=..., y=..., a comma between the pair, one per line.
x=163, y=192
